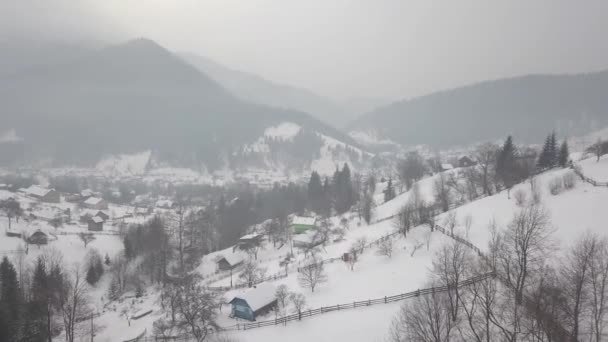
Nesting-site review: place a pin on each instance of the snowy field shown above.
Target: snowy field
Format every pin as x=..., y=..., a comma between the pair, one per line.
x=594, y=169
x=572, y=211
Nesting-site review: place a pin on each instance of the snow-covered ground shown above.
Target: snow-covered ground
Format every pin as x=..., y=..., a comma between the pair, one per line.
x=595, y=169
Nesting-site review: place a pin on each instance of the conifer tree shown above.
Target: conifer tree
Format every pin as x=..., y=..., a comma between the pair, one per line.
x=315, y=193
x=10, y=300
x=389, y=192
x=564, y=154
x=549, y=155
x=506, y=164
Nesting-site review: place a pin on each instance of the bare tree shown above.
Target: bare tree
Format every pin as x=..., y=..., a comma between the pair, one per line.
x=424, y=318
x=428, y=235
x=74, y=301
x=468, y=223
x=486, y=159
x=450, y=221
x=355, y=251
x=385, y=247
x=252, y=273
x=282, y=293
x=525, y=245
x=404, y=219
x=478, y=304
x=598, y=283
x=299, y=302
x=574, y=273
x=86, y=238
x=197, y=312
x=442, y=192
x=450, y=266
x=312, y=274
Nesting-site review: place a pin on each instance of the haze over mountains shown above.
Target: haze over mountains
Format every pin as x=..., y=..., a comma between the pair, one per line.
x=131, y=97
x=528, y=107
x=256, y=89
x=72, y=103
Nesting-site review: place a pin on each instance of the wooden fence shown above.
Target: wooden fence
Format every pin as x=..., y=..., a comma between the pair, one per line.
x=577, y=170
x=353, y=305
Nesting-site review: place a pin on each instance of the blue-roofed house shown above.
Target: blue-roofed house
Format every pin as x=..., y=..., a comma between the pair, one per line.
x=256, y=301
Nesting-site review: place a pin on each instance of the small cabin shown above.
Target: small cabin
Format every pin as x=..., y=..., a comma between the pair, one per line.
x=250, y=240
x=257, y=301
x=301, y=224
x=95, y=224
x=230, y=261
x=95, y=203
x=465, y=161
x=38, y=238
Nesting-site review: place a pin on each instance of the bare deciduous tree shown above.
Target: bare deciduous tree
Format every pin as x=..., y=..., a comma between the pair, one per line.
x=86, y=238
x=598, y=283
x=74, y=302
x=282, y=293
x=312, y=274
x=442, y=192
x=525, y=245
x=486, y=159
x=299, y=302
x=450, y=266
x=252, y=273
x=385, y=247
x=424, y=318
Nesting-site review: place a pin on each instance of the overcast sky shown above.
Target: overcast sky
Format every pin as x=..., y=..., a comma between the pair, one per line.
x=345, y=48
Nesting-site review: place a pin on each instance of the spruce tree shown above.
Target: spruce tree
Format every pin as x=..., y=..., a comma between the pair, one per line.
x=315, y=193
x=506, y=164
x=548, y=156
x=38, y=305
x=10, y=300
x=564, y=154
x=389, y=192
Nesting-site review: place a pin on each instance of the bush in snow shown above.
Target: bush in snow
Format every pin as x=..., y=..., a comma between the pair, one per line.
x=556, y=186
x=569, y=180
x=385, y=247
x=520, y=197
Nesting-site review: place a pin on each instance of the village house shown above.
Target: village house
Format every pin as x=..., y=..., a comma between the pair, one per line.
x=249, y=240
x=42, y=194
x=257, y=301
x=301, y=224
x=230, y=261
x=307, y=240
x=465, y=161
x=38, y=238
x=95, y=203
x=164, y=204
x=95, y=224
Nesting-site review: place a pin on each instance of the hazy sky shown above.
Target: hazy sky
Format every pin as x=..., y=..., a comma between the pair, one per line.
x=342, y=48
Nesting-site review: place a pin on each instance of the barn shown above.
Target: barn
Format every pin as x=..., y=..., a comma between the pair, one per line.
x=257, y=301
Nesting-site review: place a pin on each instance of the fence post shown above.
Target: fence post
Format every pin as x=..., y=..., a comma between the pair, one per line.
x=384, y=299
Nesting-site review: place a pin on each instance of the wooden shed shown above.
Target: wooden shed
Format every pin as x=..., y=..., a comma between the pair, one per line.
x=257, y=301
x=38, y=238
x=95, y=224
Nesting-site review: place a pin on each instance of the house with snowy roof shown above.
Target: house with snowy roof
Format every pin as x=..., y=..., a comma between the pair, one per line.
x=42, y=194
x=301, y=224
x=465, y=161
x=446, y=167
x=229, y=261
x=256, y=301
x=95, y=224
x=95, y=203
